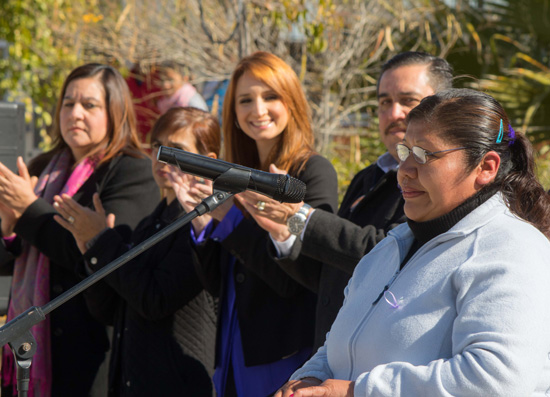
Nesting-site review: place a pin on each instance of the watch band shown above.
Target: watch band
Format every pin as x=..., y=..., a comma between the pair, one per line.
x=304, y=209
x=297, y=222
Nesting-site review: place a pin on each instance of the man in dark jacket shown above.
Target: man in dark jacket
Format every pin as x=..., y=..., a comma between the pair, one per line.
x=327, y=246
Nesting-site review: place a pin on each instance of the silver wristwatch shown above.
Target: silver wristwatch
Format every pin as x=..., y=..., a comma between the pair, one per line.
x=297, y=222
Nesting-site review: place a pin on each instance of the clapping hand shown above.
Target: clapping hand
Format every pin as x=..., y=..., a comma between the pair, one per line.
x=190, y=191
x=270, y=214
x=17, y=190
x=82, y=222
x=16, y=194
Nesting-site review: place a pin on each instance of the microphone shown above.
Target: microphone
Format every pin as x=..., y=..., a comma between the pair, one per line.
x=280, y=187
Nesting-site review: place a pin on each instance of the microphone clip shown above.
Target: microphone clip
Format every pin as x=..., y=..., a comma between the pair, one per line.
x=234, y=180
x=231, y=182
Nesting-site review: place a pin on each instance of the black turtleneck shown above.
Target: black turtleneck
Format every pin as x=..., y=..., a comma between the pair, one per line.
x=425, y=231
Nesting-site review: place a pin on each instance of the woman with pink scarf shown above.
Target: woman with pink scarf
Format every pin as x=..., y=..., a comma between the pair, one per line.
x=95, y=149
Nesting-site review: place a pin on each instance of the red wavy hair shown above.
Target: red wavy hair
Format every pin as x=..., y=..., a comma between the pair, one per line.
x=296, y=143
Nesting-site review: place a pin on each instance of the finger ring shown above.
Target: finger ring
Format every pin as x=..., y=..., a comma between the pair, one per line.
x=260, y=205
x=70, y=219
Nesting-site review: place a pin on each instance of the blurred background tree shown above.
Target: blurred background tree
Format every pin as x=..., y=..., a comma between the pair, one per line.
x=335, y=46
x=43, y=38
x=507, y=49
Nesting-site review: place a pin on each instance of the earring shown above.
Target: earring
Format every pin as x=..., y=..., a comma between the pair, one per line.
x=237, y=124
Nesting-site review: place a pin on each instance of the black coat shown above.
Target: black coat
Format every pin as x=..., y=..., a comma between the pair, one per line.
x=164, y=320
x=333, y=244
x=78, y=341
x=275, y=313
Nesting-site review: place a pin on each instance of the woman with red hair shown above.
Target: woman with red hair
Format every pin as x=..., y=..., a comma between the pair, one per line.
x=266, y=319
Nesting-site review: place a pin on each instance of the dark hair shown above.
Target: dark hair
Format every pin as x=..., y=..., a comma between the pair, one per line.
x=440, y=71
x=472, y=119
x=172, y=65
x=204, y=127
x=297, y=140
x=121, y=129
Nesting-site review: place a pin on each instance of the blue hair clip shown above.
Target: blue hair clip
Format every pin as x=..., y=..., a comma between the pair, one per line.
x=500, y=132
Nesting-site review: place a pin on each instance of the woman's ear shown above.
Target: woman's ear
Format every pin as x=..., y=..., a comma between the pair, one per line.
x=212, y=155
x=488, y=168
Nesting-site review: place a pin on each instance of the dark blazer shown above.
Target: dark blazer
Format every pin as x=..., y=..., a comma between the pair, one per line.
x=164, y=321
x=79, y=342
x=275, y=313
x=333, y=244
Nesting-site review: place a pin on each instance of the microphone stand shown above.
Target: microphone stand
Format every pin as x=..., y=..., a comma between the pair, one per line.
x=17, y=332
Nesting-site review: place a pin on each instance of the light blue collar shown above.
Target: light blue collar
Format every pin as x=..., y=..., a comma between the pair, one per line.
x=386, y=162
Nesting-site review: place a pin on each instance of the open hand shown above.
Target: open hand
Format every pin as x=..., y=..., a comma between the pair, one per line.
x=190, y=191
x=290, y=387
x=264, y=211
x=82, y=222
x=17, y=191
x=271, y=209
x=270, y=214
x=312, y=387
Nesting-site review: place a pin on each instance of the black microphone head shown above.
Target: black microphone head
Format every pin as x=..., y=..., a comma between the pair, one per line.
x=289, y=190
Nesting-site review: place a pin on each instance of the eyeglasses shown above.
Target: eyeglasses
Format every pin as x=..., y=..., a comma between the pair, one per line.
x=419, y=154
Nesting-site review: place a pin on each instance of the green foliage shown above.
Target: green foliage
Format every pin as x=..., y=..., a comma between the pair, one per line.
x=350, y=154
x=513, y=51
x=543, y=164
x=311, y=18
x=346, y=170
x=43, y=38
x=504, y=44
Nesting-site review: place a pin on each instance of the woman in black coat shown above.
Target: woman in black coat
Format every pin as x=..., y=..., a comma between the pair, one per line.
x=95, y=150
x=266, y=319
x=164, y=321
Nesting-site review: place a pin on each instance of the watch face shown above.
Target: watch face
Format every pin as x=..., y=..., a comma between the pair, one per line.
x=296, y=224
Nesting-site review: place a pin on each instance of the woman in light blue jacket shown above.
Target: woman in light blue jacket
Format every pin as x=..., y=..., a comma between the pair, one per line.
x=456, y=301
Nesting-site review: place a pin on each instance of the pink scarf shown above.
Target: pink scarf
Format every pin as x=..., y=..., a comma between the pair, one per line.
x=31, y=275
